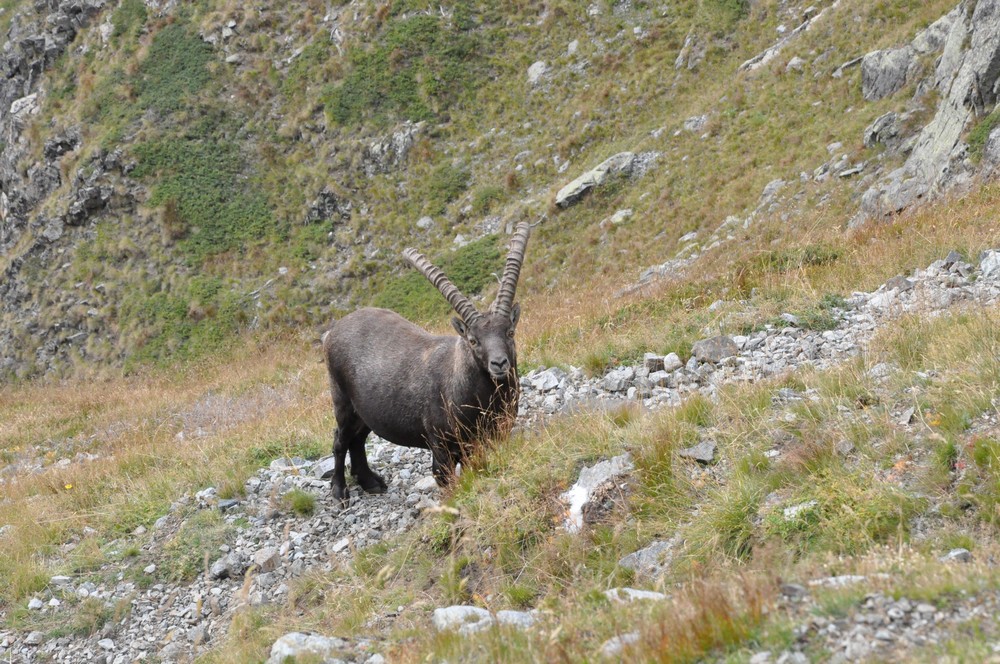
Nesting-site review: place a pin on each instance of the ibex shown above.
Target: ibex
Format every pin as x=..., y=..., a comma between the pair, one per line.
x=418, y=389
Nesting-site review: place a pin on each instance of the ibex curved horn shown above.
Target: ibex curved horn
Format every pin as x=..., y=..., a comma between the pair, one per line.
x=458, y=302
x=512, y=270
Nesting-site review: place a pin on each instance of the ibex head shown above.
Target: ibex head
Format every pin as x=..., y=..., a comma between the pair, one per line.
x=490, y=336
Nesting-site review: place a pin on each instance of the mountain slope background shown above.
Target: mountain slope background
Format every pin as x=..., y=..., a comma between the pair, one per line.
x=186, y=173
x=189, y=192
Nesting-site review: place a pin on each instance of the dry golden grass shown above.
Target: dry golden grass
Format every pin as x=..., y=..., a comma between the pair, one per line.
x=132, y=425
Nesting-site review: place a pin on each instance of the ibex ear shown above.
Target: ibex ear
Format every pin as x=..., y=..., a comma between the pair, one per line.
x=459, y=325
x=515, y=314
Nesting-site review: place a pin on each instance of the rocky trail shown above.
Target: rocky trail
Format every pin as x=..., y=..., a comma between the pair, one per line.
x=268, y=545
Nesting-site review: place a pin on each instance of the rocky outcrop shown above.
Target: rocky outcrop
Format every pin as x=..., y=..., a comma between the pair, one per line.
x=967, y=78
x=883, y=73
x=390, y=152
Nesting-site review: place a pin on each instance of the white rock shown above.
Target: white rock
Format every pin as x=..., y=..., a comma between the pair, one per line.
x=426, y=484
x=518, y=619
x=536, y=71
x=625, y=595
x=297, y=645
x=613, y=647
x=990, y=265
x=106, y=644
x=266, y=559
x=590, y=479
x=464, y=619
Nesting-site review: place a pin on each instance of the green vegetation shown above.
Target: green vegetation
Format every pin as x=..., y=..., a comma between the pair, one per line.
x=470, y=268
x=981, y=132
x=300, y=502
x=202, y=180
x=128, y=21
x=175, y=68
x=187, y=323
x=417, y=68
x=197, y=541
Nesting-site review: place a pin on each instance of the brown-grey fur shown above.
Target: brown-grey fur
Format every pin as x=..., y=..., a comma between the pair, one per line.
x=418, y=389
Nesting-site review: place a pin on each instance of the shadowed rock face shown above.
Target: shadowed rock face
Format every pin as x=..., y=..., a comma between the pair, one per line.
x=966, y=77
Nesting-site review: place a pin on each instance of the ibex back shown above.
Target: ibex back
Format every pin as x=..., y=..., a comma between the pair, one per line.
x=417, y=389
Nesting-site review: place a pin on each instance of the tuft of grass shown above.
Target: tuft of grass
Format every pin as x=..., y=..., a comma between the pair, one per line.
x=302, y=503
x=199, y=538
x=981, y=132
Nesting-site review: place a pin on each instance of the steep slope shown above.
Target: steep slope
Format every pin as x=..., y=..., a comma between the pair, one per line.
x=175, y=175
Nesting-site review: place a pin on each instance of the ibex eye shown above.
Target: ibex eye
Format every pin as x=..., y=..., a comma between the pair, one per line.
x=472, y=342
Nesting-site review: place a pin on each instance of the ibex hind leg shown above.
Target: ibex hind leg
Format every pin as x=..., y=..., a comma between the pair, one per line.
x=351, y=433
x=369, y=480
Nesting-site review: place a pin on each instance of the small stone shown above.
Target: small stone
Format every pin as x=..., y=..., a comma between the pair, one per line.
x=266, y=559
x=793, y=590
x=672, y=362
x=653, y=362
x=536, y=71
x=715, y=349
x=899, y=283
x=228, y=504
x=463, y=619
x=323, y=469
x=957, y=555
x=907, y=416
x=294, y=464
x=614, y=646
x=61, y=580
x=650, y=561
x=297, y=646
x=792, y=513
x=426, y=484
x=518, y=619
x=35, y=604
x=952, y=258
x=106, y=644
x=149, y=569
x=844, y=447
x=35, y=638
x=703, y=452
x=990, y=264
x=625, y=595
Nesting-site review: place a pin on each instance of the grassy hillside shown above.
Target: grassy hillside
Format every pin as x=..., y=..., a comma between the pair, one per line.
x=233, y=139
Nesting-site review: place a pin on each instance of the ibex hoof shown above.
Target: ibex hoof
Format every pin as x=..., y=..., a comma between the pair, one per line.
x=342, y=495
x=373, y=484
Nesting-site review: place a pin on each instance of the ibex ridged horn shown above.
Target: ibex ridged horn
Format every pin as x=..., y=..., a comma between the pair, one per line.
x=458, y=302
x=512, y=270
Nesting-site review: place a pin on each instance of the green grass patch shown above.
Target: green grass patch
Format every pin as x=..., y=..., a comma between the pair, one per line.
x=128, y=21
x=204, y=178
x=175, y=68
x=194, y=320
x=981, y=132
x=302, y=503
x=416, y=68
x=198, y=540
x=470, y=268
